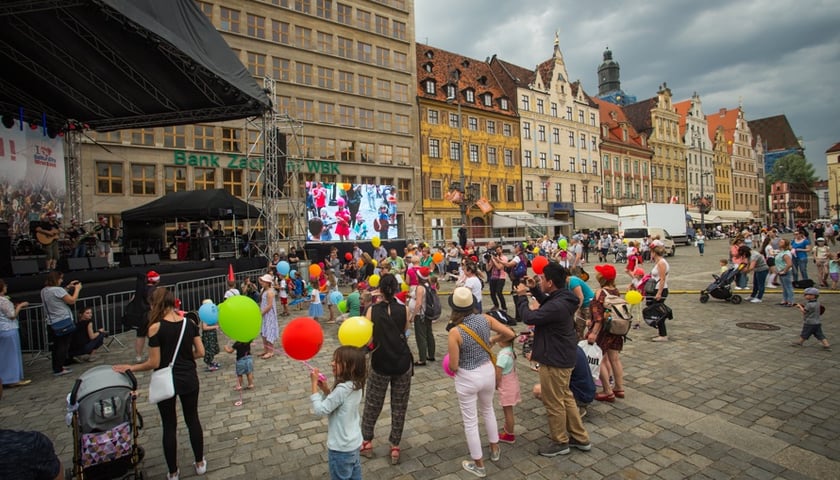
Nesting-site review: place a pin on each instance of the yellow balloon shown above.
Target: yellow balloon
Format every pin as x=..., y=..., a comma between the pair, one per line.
x=404, y=287
x=374, y=262
x=376, y=242
x=373, y=280
x=536, y=250
x=355, y=331
x=633, y=297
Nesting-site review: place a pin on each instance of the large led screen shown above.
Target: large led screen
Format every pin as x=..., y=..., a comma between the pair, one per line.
x=349, y=212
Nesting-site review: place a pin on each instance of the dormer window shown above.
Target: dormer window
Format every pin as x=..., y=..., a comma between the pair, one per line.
x=488, y=100
x=470, y=95
x=450, y=91
x=430, y=87
x=427, y=67
x=482, y=80
x=503, y=104
x=430, y=54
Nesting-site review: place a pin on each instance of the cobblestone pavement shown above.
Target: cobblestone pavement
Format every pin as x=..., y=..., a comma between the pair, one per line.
x=717, y=401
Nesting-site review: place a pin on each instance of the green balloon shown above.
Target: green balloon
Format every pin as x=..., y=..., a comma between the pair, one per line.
x=562, y=243
x=342, y=306
x=240, y=318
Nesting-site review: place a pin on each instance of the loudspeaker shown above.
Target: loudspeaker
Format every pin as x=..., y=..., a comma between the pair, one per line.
x=5, y=255
x=98, y=262
x=78, y=263
x=136, y=260
x=151, y=258
x=24, y=267
x=280, y=155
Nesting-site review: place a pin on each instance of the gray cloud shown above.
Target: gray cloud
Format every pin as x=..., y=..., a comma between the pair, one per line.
x=777, y=56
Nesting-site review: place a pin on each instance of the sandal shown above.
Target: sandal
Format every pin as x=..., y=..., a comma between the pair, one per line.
x=603, y=397
x=618, y=393
x=419, y=364
x=266, y=356
x=395, y=455
x=366, y=450
x=238, y=388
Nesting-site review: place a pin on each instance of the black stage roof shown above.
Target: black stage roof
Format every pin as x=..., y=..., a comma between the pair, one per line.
x=215, y=204
x=114, y=64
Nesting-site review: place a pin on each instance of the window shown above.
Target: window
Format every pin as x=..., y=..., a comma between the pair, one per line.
x=363, y=19
x=580, y=116
x=434, y=148
x=558, y=191
x=325, y=42
x=594, y=167
x=544, y=190
x=326, y=148
x=232, y=181
x=526, y=103
x=543, y=162
x=526, y=130
x=143, y=136
x=572, y=164
x=174, y=137
x=383, y=89
x=526, y=159
x=472, y=123
x=230, y=139
x=279, y=32
x=280, y=69
x=488, y=100
x=507, y=130
x=383, y=57
x=384, y=121
x=142, y=179
x=348, y=152
x=541, y=133
x=326, y=112
x=114, y=136
x=303, y=37
x=303, y=73
x=403, y=156
x=494, y=193
x=556, y=163
x=203, y=137
x=454, y=121
x=568, y=113
x=306, y=110
x=345, y=47
x=592, y=119
x=555, y=136
x=553, y=109
x=436, y=190
x=593, y=145
x=400, y=61
x=491, y=127
x=385, y=155
x=205, y=178
x=573, y=191
x=455, y=151
x=303, y=6
x=109, y=178
x=571, y=139
x=323, y=8
x=473, y=153
x=470, y=96
x=582, y=140
x=207, y=9
x=256, y=64
x=174, y=179
x=450, y=92
x=256, y=26
x=366, y=152
x=430, y=87
x=508, y=158
x=398, y=29
x=432, y=117
x=364, y=52
x=401, y=123
x=284, y=105
x=583, y=166
x=381, y=25
x=529, y=190
x=403, y=188
x=491, y=156
x=365, y=86
x=346, y=116
x=345, y=14
x=510, y=193
x=400, y=92
x=325, y=78
x=503, y=103
x=345, y=82
x=229, y=19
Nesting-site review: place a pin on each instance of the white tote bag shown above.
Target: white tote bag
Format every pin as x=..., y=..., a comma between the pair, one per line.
x=594, y=355
x=162, y=385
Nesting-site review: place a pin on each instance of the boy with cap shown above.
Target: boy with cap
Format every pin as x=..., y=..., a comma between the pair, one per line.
x=811, y=312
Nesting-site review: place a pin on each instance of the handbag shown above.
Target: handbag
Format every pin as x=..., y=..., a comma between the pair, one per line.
x=64, y=327
x=651, y=287
x=469, y=331
x=594, y=355
x=162, y=385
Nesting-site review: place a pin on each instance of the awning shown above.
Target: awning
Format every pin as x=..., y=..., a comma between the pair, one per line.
x=594, y=220
x=731, y=216
x=709, y=218
x=523, y=219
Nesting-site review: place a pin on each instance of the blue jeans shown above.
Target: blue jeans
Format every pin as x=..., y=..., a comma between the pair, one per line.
x=759, y=282
x=701, y=247
x=344, y=465
x=800, y=268
x=787, y=287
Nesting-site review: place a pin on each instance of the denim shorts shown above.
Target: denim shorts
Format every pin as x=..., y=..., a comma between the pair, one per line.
x=345, y=465
x=245, y=365
x=815, y=330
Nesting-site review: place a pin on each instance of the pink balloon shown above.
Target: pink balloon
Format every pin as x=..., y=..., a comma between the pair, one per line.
x=445, y=364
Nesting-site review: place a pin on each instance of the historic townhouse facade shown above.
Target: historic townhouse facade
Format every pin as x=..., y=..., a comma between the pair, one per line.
x=483, y=140
x=694, y=132
x=345, y=78
x=723, y=171
x=743, y=157
x=657, y=118
x=625, y=160
x=560, y=137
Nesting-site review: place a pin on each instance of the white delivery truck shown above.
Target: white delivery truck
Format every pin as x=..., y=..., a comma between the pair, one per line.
x=668, y=216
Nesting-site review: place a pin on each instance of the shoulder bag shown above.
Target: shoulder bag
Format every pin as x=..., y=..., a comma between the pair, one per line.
x=162, y=385
x=60, y=328
x=469, y=331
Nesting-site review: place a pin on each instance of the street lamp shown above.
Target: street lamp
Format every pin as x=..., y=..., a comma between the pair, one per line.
x=791, y=205
x=698, y=137
x=836, y=196
x=454, y=99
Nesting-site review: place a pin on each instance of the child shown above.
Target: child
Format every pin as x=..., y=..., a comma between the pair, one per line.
x=638, y=284
x=283, y=289
x=210, y=339
x=507, y=383
x=833, y=269
x=316, y=310
x=724, y=265
x=341, y=404
x=244, y=363
x=297, y=283
x=811, y=316
x=232, y=291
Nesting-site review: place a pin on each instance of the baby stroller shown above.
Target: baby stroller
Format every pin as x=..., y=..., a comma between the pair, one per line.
x=721, y=288
x=620, y=252
x=102, y=411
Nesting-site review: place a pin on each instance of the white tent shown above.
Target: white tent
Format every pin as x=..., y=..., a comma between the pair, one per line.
x=522, y=220
x=595, y=220
x=709, y=218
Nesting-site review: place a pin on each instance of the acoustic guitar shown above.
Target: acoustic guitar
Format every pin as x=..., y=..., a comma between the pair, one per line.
x=47, y=237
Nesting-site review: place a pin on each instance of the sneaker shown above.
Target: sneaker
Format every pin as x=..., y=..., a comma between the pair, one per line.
x=216, y=364
x=201, y=469
x=659, y=339
x=749, y=299
x=64, y=371
x=495, y=456
x=582, y=411
x=138, y=359
x=471, y=467
x=553, y=449
x=212, y=368
x=739, y=288
x=505, y=437
x=173, y=476
x=580, y=446
x=792, y=344
x=755, y=300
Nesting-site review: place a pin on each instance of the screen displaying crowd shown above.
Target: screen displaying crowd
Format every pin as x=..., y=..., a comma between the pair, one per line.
x=350, y=211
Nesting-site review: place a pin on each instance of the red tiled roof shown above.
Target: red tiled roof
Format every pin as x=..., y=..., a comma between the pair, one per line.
x=474, y=74
x=606, y=110
x=727, y=120
x=775, y=132
x=833, y=148
x=639, y=114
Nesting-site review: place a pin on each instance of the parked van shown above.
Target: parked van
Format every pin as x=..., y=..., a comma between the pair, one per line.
x=638, y=234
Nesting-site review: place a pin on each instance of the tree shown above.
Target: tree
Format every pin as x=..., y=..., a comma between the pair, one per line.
x=792, y=168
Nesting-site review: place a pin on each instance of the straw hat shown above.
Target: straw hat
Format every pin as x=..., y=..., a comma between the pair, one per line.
x=462, y=300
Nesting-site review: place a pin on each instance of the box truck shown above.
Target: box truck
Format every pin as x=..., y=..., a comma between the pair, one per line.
x=668, y=216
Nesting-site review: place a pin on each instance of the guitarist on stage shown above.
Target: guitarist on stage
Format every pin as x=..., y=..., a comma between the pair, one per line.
x=77, y=235
x=47, y=233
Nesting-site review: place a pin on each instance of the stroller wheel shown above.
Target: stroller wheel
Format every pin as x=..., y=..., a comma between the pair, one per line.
x=704, y=298
x=736, y=299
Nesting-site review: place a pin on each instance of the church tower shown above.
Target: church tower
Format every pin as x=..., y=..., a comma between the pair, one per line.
x=608, y=75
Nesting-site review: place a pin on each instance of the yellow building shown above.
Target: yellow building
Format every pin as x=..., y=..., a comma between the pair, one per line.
x=744, y=162
x=483, y=141
x=723, y=171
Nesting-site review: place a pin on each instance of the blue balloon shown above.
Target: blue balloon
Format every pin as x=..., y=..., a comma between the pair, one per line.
x=283, y=268
x=209, y=314
x=292, y=273
x=336, y=297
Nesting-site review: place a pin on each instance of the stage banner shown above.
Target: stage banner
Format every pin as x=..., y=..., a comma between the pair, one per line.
x=344, y=211
x=32, y=176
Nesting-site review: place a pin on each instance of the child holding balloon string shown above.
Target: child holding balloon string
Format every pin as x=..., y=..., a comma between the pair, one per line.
x=341, y=405
x=316, y=309
x=244, y=363
x=209, y=335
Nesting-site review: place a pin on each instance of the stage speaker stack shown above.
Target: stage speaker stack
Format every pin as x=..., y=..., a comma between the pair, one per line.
x=77, y=263
x=5, y=250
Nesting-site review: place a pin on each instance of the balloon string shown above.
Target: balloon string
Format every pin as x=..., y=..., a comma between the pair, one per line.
x=321, y=376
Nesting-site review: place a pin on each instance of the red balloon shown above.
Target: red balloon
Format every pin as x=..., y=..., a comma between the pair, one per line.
x=538, y=264
x=348, y=256
x=302, y=338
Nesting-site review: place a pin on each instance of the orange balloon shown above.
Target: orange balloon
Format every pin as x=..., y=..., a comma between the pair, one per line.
x=437, y=257
x=361, y=263
x=314, y=270
x=538, y=264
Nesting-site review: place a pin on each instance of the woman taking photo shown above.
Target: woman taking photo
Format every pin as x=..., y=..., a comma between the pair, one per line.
x=11, y=360
x=659, y=273
x=56, y=301
x=390, y=364
x=784, y=265
x=475, y=374
x=269, y=330
x=610, y=344
x=164, y=331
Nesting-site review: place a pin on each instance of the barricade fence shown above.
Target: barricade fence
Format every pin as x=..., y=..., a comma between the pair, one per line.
x=108, y=310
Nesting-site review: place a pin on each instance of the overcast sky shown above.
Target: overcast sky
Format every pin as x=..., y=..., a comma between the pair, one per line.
x=778, y=56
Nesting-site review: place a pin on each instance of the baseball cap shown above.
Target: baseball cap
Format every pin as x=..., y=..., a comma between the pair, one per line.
x=811, y=291
x=152, y=276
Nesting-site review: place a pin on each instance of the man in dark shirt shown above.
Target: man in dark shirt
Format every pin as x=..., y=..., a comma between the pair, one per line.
x=182, y=240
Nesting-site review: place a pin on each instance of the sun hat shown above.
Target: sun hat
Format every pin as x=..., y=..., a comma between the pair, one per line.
x=639, y=271
x=821, y=239
x=267, y=278
x=152, y=276
x=462, y=300
x=811, y=291
x=606, y=271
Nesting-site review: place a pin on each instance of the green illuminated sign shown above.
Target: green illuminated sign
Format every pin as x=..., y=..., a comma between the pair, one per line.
x=239, y=162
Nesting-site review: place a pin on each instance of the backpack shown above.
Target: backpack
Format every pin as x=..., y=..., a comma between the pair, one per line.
x=619, y=319
x=432, y=308
x=521, y=268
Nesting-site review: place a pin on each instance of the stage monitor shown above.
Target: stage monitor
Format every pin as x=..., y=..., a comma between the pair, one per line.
x=350, y=212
